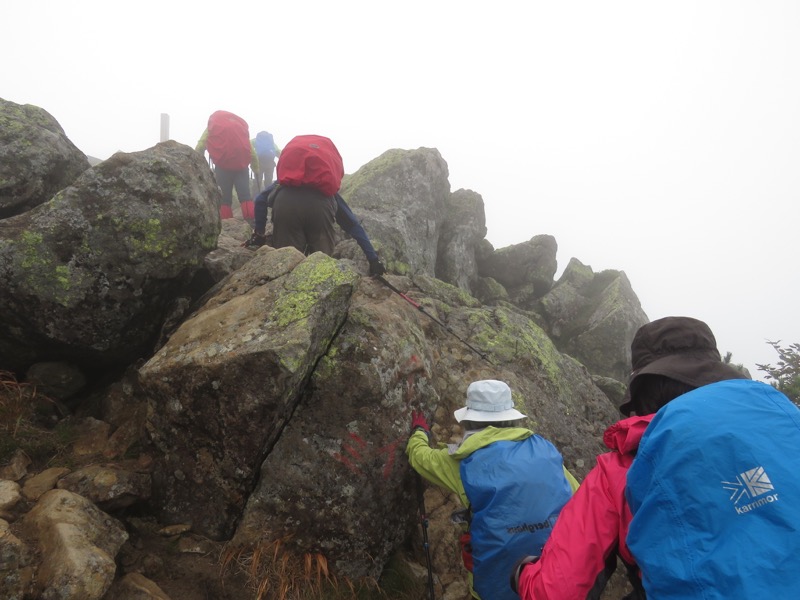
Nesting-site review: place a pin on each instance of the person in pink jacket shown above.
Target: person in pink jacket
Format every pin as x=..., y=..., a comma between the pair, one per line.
x=670, y=356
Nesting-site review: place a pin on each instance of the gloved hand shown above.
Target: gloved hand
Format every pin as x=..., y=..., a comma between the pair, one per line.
x=256, y=241
x=376, y=268
x=465, y=541
x=517, y=570
x=418, y=422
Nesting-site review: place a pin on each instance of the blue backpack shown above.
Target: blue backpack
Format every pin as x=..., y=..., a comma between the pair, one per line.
x=516, y=491
x=715, y=495
x=265, y=146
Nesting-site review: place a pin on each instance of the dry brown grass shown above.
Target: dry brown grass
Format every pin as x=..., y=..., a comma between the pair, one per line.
x=276, y=573
x=19, y=431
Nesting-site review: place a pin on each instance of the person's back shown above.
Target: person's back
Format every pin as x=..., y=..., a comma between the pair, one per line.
x=516, y=490
x=513, y=482
x=303, y=218
x=715, y=495
x=310, y=172
x=227, y=140
x=670, y=357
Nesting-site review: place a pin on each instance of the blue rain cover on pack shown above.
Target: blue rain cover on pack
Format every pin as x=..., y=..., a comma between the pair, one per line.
x=265, y=146
x=715, y=495
x=516, y=491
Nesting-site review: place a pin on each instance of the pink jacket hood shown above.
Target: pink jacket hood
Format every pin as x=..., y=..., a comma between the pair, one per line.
x=624, y=436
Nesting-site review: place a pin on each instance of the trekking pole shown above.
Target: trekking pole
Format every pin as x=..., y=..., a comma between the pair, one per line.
x=424, y=522
x=421, y=309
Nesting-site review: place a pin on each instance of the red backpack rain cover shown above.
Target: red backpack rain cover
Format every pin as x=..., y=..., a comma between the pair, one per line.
x=228, y=141
x=311, y=160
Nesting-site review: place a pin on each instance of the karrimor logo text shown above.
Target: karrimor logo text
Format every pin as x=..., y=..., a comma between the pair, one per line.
x=749, y=486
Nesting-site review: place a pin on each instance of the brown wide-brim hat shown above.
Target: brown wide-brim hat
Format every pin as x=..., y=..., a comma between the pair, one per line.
x=681, y=348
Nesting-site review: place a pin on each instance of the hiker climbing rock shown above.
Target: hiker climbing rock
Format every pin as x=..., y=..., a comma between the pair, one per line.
x=227, y=140
x=305, y=203
x=512, y=481
x=704, y=440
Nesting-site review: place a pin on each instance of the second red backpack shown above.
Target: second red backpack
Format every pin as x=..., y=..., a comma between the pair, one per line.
x=311, y=160
x=228, y=141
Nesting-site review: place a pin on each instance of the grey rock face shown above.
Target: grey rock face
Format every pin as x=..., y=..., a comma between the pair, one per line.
x=401, y=198
x=593, y=317
x=89, y=274
x=526, y=270
x=337, y=480
x=463, y=229
x=36, y=158
x=223, y=387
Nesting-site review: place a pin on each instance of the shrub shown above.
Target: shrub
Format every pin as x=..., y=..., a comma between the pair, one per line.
x=785, y=375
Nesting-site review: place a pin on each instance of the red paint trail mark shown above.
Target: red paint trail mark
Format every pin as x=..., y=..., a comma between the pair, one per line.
x=352, y=452
x=358, y=440
x=346, y=462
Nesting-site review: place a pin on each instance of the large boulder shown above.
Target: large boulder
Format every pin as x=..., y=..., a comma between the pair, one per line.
x=463, y=231
x=78, y=543
x=224, y=386
x=36, y=158
x=91, y=274
x=401, y=198
x=593, y=317
x=337, y=482
x=525, y=270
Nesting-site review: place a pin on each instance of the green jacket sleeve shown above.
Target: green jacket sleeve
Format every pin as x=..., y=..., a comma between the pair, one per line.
x=573, y=483
x=253, y=158
x=201, y=143
x=435, y=465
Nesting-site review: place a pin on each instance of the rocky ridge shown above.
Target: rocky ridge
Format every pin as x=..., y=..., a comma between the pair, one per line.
x=221, y=400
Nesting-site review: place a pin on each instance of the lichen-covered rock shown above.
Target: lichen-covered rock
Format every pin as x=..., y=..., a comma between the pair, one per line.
x=401, y=199
x=337, y=481
x=462, y=231
x=89, y=275
x=223, y=387
x=593, y=317
x=36, y=158
x=526, y=270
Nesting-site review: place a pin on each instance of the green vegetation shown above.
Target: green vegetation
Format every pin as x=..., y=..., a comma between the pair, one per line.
x=785, y=375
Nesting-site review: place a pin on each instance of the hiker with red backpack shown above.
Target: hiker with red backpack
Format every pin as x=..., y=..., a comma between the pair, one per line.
x=700, y=494
x=227, y=140
x=512, y=482
x=305, y=203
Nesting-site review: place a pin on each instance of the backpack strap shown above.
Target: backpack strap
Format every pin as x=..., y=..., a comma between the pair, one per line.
x=635, y=579
x=610, y=567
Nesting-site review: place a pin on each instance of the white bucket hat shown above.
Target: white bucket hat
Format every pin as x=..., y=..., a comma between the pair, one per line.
x=488, y=401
